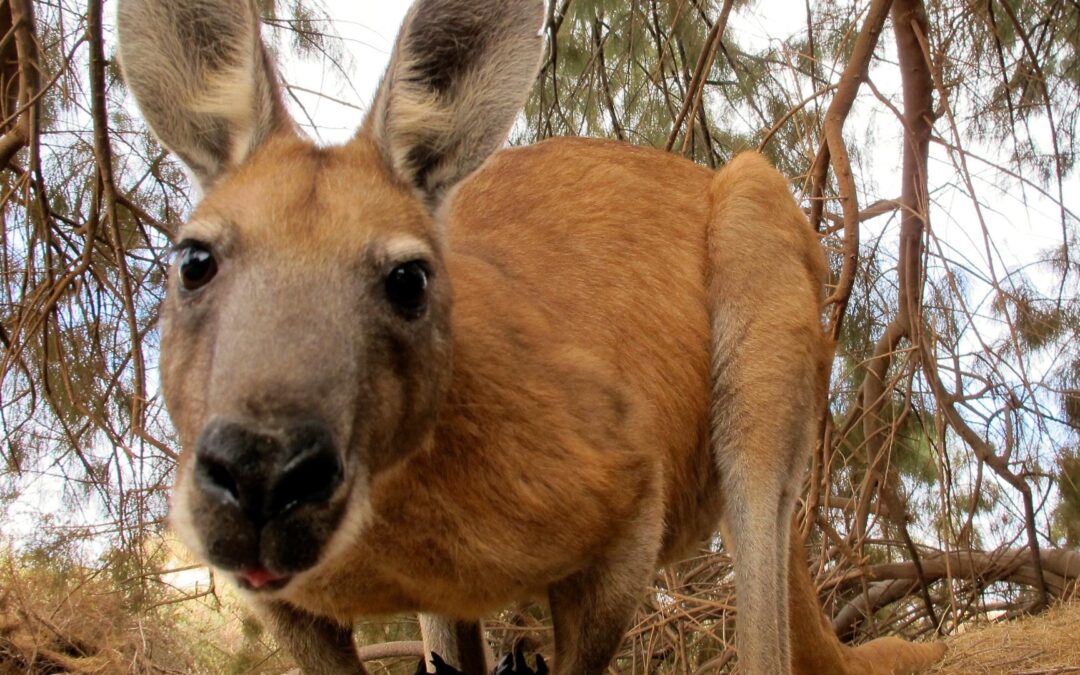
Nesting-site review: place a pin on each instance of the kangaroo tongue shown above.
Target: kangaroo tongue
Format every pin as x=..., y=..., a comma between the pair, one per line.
x=257, y=577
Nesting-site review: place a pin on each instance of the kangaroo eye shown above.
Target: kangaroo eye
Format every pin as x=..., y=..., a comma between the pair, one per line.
x=406, y=288
x=197, y=265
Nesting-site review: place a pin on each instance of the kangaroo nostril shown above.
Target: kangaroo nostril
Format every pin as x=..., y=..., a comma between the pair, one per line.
x=266, y=470
x=310, y=478
x=216, y=478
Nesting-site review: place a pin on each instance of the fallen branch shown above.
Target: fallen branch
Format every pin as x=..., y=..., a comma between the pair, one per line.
x=391, y=650
x=892, y=582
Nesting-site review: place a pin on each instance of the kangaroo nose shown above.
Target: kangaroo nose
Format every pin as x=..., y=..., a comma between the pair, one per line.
x=266, y=475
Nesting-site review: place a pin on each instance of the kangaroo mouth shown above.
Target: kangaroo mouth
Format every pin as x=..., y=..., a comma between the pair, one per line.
x=258, y=578
x=261, y=504
x=267, y=557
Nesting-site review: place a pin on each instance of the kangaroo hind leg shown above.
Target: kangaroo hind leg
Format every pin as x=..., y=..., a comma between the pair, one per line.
x=592, y=609
x=458, y=643
x=769, y=355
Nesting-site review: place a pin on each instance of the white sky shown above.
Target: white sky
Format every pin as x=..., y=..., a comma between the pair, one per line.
x=367, y=29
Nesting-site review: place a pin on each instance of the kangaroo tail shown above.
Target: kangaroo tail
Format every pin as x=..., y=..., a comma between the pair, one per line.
x=816, y=649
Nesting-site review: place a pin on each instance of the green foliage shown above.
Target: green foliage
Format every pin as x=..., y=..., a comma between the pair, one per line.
x=1066, y=520
x=1070, y=392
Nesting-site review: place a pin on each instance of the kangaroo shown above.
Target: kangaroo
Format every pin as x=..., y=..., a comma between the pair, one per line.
x=419, y=373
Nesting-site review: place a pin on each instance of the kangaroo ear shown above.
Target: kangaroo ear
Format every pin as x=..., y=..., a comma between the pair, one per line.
x=202, y=78
x=460, y=73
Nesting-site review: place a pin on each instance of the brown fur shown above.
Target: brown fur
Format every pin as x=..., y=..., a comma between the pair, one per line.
x=620, y=350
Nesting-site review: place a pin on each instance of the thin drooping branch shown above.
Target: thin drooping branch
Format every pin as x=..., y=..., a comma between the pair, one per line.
x=1048, y=106
x=947, y=400
x=599, y=38
x=552, y=26
x=103, y=154
x=986, y=454
x=697, y=81
x=698, y=88
x=834, y=151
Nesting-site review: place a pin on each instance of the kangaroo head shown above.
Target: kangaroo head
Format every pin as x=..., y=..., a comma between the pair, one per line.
x=305, y=334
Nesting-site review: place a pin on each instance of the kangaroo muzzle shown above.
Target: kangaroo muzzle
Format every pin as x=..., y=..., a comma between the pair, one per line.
x=264, y=496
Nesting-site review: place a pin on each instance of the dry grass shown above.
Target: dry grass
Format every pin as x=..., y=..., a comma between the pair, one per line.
x=52, y=623
x=77, y=622
x=1045, y=644
x=47, y=626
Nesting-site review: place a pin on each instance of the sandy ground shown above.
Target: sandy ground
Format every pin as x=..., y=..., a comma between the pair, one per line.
x=1041, y=645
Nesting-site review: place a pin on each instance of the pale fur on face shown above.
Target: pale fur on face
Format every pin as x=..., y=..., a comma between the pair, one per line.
x=180, y=516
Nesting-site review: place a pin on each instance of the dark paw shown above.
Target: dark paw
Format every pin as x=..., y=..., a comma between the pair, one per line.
x=511, y=664
x=441, y=667
x=514, y=664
